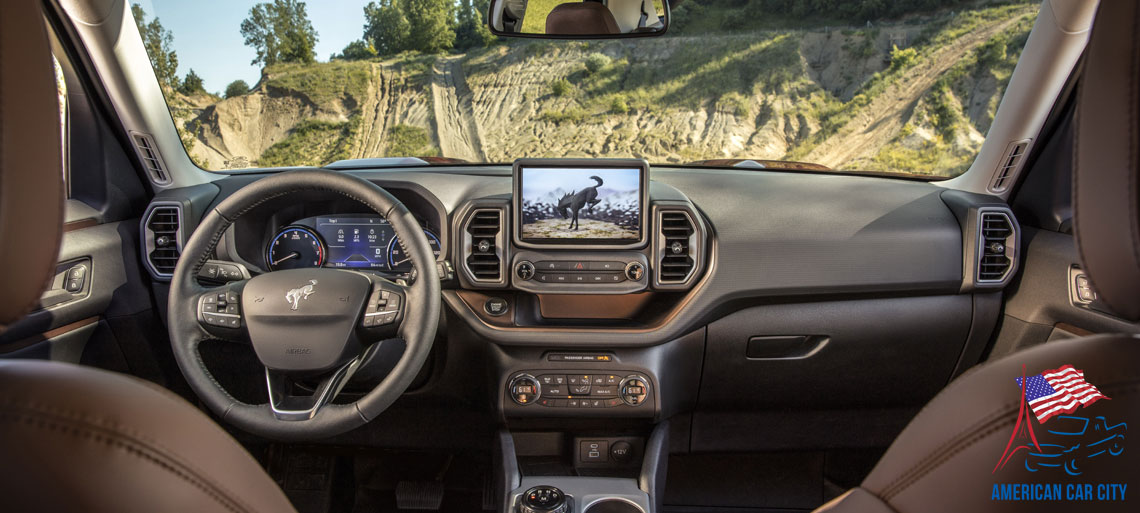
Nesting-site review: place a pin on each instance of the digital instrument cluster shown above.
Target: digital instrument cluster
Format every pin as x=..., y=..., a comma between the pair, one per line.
x=355, y=242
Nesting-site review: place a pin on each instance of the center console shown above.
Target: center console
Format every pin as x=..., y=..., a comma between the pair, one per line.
x=588, y=246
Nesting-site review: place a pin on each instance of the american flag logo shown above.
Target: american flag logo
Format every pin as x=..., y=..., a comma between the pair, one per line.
x=1058, y=391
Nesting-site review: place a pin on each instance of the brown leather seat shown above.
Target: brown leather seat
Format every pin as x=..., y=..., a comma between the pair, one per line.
x=584, y=18
x=949, y=457
x=75, y=438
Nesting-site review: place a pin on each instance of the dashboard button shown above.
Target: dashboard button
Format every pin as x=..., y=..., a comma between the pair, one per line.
x=578, y=266
x=581, y=278
x=607, y=266
x=552, y=265
x=605, y=391
x=495, y=306
x=572, y=403
x=552, y=379
x=554, y=390
x=580, y=389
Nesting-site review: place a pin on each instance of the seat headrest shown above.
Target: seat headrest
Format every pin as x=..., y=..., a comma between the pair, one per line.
x=585, y=18
x=31, y=183
x=1106, y=159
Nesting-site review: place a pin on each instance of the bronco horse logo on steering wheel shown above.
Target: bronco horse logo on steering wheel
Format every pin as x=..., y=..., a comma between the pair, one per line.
x=295, y=296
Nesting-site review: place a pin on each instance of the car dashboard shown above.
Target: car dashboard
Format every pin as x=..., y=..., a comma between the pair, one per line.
x=776, y=283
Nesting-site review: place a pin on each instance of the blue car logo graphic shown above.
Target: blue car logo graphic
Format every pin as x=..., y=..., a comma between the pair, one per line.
x=1079, y=443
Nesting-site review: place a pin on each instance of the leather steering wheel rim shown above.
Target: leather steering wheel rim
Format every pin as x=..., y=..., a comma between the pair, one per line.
x=418, y=328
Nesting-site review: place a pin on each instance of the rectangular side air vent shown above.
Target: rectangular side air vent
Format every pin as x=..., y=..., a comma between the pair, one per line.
x=483, y=245
x=1008, y=166
x=151, y=158
x=678, y=247
x=162, y=238
x=997, y=243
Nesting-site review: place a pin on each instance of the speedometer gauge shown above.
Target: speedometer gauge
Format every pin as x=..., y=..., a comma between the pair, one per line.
x=398, y=261
x=295, y=247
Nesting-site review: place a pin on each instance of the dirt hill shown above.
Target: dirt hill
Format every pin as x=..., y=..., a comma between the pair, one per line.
x=840, y=97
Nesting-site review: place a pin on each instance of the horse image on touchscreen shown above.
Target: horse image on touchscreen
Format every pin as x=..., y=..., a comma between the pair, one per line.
x=571, y=203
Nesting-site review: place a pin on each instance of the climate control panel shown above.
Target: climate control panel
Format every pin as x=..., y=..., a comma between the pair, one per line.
x=580, y=272
x=547, y=392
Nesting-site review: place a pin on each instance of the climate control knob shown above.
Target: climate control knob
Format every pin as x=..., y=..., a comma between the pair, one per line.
x=523, y=389
x=634, y=390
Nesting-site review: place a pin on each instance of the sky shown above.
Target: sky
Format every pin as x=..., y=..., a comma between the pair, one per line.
x=537, y=182
x=207, y=34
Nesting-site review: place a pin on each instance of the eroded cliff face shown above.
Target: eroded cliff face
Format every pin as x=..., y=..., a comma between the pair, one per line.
x=827, y=96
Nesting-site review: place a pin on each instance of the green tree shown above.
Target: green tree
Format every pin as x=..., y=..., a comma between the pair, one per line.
x=280, y=32
x=394, y=26
x=431, y=25
x=386, y=26
x=236, y=88
x=192, y=84
x=471, y=30
x=356, y=51
x=158, y=42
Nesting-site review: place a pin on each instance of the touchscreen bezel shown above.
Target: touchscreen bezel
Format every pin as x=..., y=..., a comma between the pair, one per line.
x=516, y=203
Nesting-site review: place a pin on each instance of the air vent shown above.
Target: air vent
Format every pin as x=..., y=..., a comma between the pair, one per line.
x=151, y=158
x=677, y=246
x=997, y=240
x=483, y=245
x=1009, y=165
x=162, y=236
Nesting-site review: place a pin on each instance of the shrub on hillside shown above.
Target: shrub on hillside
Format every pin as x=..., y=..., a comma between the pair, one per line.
x=561, y=87
x=596, y=62
x=409, y=141
x=236, y=88
x=901, y=59
x=618, y=104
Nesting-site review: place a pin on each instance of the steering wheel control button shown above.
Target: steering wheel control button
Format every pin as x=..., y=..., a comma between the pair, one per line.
x=496, y=306
x=524, y=389
x=543, y=499
x=382, y=309
x=222, y=310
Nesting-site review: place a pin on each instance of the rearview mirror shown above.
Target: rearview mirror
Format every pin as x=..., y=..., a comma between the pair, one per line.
x=579, y=19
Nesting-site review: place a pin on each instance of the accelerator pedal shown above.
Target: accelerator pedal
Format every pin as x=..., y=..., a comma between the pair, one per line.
x=419, y=495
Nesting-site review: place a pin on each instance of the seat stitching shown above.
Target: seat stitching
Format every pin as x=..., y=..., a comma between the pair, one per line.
x=94, y=424
x=992, y=417
x=131, y=445
x=941, y=456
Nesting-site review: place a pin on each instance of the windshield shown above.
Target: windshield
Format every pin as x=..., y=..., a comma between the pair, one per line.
x=898, y=87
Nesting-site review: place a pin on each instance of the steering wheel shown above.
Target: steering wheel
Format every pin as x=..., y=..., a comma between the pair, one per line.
x=318, y=324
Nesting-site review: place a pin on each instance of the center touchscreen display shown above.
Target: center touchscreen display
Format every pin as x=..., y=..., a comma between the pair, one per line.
x=580, y=205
